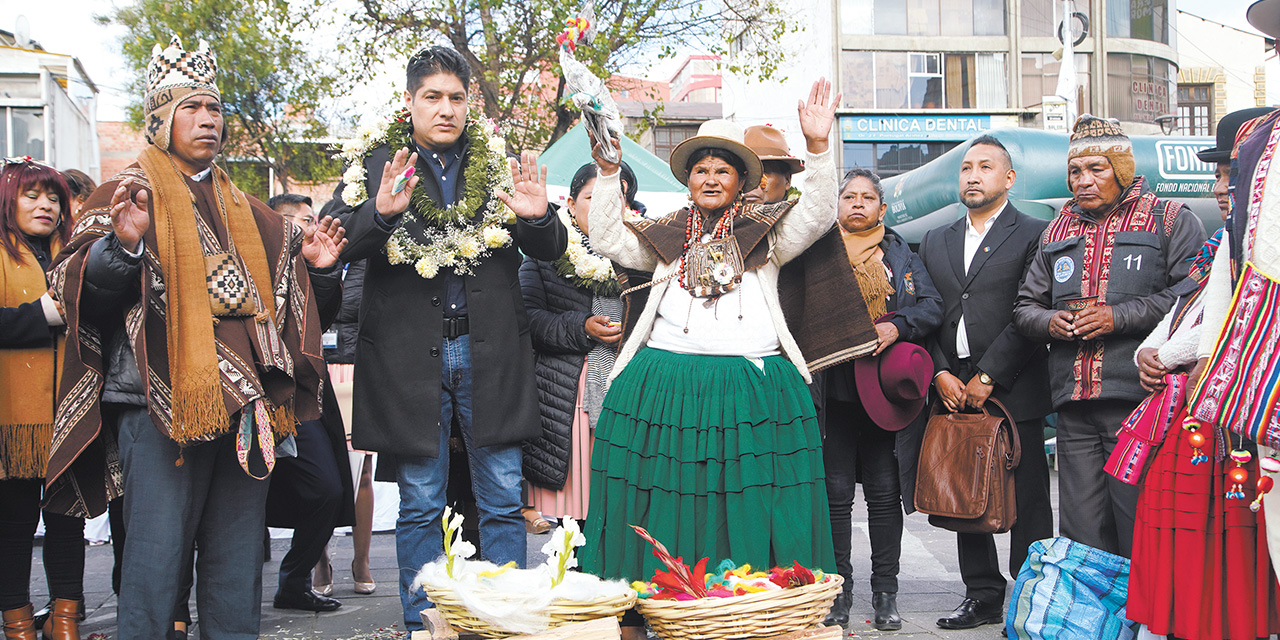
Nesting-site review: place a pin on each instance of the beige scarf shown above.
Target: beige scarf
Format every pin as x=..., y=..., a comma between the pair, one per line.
x=861, y=248
x=198, y=407
x=30, y=376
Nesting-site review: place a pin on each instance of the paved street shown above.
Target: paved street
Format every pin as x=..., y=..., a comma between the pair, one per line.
x=929, y=587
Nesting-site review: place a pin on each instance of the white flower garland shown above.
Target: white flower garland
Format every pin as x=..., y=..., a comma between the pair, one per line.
x=585, y=264
x=457, y=240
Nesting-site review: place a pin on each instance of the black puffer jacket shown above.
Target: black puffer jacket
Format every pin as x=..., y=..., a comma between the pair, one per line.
x=347, y=323
x=558, y=313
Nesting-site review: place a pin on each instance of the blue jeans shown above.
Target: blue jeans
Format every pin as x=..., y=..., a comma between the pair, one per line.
x=495, y=480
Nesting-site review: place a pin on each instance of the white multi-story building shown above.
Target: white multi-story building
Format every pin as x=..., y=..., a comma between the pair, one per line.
x=920, y=76
x=1220, y=69
x=48, y=106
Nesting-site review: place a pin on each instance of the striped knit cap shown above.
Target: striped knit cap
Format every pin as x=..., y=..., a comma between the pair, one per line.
x=173, y=75
x=1093, y=136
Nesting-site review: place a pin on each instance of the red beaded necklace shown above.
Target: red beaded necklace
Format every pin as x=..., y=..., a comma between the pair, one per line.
x=693, y=233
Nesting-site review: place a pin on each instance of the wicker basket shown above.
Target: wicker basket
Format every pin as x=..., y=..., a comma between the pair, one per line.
x=561, y=612
x=763, y=614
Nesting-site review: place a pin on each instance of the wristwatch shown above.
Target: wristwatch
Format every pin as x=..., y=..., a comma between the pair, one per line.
x=985, y=379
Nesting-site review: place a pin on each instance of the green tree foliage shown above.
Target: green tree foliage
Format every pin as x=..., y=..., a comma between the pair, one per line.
x=513, y=52
x=271, y=86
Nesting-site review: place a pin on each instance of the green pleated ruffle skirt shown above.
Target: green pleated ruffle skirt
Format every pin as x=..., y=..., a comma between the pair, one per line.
x=714, y=457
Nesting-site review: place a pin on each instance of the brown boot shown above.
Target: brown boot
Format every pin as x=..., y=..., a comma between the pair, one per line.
x=64, y=621
x=18, y=624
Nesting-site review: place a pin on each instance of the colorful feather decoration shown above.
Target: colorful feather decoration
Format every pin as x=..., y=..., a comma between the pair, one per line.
x=678, y=576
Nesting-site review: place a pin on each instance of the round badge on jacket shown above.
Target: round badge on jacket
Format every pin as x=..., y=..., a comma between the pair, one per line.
x=1064, y=268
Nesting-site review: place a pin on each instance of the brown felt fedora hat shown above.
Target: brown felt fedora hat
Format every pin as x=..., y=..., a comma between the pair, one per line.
x=770, y=144
x=717, y=134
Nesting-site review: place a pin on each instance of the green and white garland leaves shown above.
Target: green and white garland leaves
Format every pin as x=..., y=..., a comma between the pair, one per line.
x=456, y=237
x=583, y=267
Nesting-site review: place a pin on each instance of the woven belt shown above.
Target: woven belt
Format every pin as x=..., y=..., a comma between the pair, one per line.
x=455, y=327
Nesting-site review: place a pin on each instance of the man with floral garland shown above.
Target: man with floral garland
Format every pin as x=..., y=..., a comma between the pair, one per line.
x=443, y=334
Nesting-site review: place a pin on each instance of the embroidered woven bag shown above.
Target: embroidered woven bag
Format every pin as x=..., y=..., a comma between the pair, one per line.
x=1240, y=389
x=1144, y=428
x=229, y=292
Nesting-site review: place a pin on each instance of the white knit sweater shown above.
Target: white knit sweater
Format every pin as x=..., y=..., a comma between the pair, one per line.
x=1179, y=349
x=811, y=217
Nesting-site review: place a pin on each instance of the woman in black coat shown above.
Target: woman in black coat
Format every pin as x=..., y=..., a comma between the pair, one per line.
x=575, y=319
x=897, y=290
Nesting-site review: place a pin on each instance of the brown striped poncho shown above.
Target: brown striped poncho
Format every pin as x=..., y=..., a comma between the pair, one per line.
x=279, y=359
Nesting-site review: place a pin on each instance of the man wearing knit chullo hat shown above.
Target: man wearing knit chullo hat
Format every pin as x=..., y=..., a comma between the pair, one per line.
x=192, y=349
x=1109, y=266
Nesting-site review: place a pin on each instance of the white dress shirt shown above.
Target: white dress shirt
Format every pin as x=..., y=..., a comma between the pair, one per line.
x=972, y=240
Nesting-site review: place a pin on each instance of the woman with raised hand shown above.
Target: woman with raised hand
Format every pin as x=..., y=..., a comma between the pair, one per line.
x=707, y=436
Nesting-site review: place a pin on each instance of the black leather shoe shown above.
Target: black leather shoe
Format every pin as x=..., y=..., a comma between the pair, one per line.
x=306, y=601
x=839, y=615
x=972, y=613
x=886, y=607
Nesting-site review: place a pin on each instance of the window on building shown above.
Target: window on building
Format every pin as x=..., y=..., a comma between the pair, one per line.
x=892, y=80
x=665, y=139
x=1042, y=17
x=926, y=80
x=1195, y=109
x=923, y=17
x=1138, y=86
x=27, y=132
x=898, y=80
x=957, y=18
x=743, y=42
x=858, y=79
x=856, y=17
x=988, y=17
x=890, y=17
x=1142, y=19
x=1040, y=79
x=993, y=84
x=892, y=158
x=961, y=81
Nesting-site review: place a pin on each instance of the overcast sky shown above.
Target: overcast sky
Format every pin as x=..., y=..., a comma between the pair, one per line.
x=67, y=26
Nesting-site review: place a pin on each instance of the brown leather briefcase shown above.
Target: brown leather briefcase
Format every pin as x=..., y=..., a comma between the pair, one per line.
x=965, y=475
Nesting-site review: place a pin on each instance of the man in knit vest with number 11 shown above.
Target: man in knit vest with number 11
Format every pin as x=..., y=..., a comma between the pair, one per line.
x=1109, y=266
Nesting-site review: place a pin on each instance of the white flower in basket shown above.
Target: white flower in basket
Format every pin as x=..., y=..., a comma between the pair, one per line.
x=560, y=549
x=454, y=549
x=515, y=600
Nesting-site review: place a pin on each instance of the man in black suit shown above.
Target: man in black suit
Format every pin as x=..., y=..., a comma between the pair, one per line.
x=444, y=340
x=977, y=264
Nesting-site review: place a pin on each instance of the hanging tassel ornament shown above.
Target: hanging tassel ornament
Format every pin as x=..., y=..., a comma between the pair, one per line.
x=1266, y=465
x=1238, y=475
x=1197, y=440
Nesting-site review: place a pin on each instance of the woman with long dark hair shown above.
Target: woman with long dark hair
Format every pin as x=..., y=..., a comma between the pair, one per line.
x=35, y=214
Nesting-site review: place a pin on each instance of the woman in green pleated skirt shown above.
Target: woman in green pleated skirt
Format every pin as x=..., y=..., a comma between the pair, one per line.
x=716, y=457
x=708, y=437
